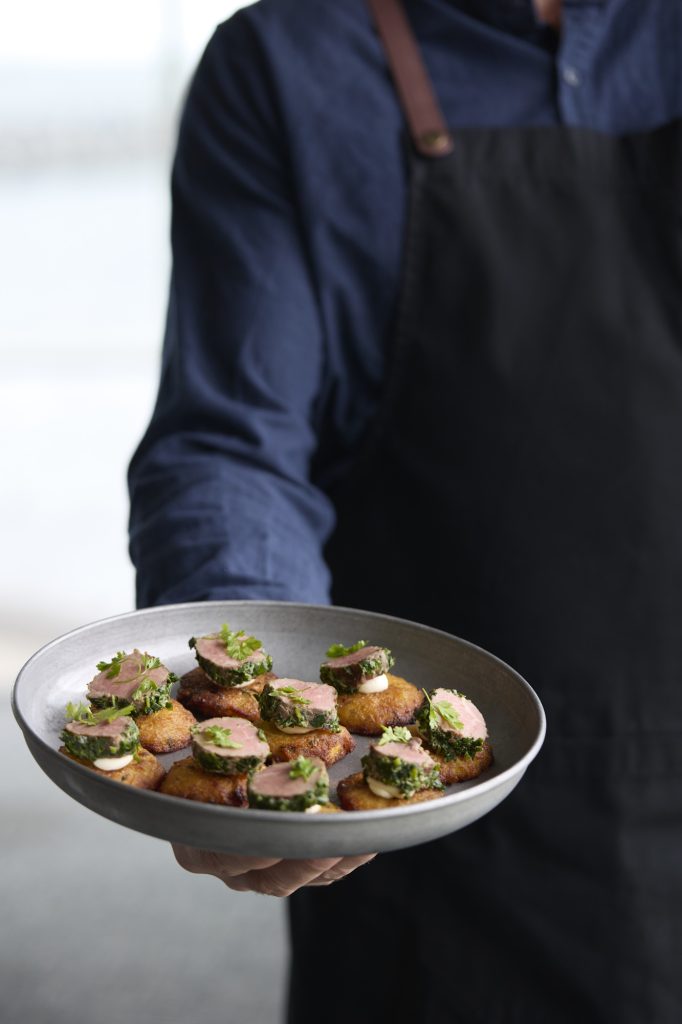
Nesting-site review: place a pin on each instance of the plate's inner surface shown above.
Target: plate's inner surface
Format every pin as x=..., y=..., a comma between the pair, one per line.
x=297, y=637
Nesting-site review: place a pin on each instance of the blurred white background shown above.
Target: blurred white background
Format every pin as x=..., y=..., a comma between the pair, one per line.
x=89, y=99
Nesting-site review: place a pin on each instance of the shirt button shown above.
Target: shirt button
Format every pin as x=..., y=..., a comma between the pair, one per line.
x=570, y=76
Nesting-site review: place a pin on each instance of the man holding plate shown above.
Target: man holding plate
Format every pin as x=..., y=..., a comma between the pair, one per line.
x=423, y=357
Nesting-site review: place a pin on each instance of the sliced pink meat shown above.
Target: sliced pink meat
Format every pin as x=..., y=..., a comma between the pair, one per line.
x=104, y=729
x=412, y=752
x=276, y=781
x=353, y=659
x=212, y=648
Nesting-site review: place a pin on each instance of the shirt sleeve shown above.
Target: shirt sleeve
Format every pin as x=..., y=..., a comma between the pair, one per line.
x=222, y=505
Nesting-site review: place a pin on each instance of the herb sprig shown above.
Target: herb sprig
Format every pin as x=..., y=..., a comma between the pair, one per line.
x=301, y=768
x=445, y=710
x=238, y=645
x=113, y=667
x=84, y=714
x=218, y=735
x=339, y=651
x=292, y=694
x=399, y=734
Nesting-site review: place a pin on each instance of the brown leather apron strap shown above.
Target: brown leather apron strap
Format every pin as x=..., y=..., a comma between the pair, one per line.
x=422, y=111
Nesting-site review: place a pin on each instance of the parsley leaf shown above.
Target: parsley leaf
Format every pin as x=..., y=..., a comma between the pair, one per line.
x=445, y=711
x=398, y=735
x=143, y=663
x=113, y=667
x=84, y=714
x=339, y=651
x=221, y=737
x=302, y=768
x=238, y=645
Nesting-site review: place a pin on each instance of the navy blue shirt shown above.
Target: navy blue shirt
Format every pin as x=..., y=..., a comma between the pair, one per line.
x=289, y=203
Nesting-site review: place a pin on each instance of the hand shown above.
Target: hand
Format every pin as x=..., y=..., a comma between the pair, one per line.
x=266, y=875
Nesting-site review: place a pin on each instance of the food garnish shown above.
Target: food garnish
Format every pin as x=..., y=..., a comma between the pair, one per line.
x=217, y=735
x=83, y=713
x=294, y=695
x=113, y=666
x=238, y=645
x=339, y=651
x=399, y=734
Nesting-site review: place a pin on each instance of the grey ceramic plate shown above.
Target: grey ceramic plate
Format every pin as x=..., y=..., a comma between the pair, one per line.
x=296, y=635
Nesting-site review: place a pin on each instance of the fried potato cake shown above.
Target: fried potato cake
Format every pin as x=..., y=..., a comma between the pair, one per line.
x=186, y=779
x=355, y=795
x=368, y=713
x=330, y=747
x=144, y=773
x=462, y=769
x=206, y=699
x=167, y=730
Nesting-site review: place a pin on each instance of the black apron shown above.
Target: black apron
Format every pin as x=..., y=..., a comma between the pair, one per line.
x=525, y=474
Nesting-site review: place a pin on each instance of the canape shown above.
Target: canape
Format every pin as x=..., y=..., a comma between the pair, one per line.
x=108, y=742
x=137, y=678
x=231, y=658
x=225, y=752
x=455, y=733
x=300, y=719
x=396, y=770
x=300, y=785
x=370, y=697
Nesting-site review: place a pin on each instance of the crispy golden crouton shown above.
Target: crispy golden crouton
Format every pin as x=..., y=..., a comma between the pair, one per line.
x=207, y=699
x=143, y=772
x=355, y=795
x=186, y=779
x=167, y=730
x=462, y=769
x=368, y=713
x=330, y=747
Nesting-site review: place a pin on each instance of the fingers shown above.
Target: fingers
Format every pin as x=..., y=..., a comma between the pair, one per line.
x=268, y=876
x=222, y=865
x=341, y=869
x=282, y=878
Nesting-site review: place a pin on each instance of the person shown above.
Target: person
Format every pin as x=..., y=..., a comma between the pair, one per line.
x=425, y=317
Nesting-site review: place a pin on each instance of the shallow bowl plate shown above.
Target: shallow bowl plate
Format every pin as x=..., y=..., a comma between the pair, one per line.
x=297, y=635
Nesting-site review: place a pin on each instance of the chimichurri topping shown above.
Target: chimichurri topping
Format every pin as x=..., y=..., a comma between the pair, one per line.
x=302, y=768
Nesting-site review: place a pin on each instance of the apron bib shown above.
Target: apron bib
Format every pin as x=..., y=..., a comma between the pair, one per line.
x=525, y=486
